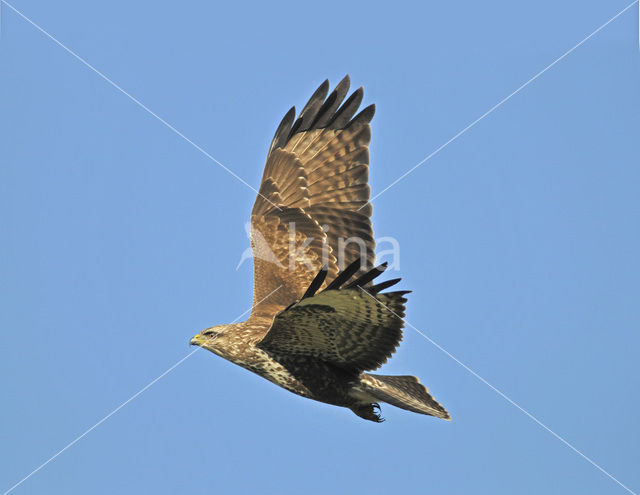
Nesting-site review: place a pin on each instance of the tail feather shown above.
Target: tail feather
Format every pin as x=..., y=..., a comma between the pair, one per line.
x=405, y=392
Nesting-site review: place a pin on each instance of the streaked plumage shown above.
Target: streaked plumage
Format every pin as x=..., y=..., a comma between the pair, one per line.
x=318, y=321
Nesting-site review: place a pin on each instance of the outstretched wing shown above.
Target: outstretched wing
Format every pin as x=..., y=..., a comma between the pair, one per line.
x=312, y=209
x=352, y=327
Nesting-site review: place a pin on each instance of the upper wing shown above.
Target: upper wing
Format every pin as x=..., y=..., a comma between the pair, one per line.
x=312, y=209
x=354, y=328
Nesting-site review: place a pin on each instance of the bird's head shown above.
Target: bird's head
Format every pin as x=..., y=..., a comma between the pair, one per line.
x=215, y=339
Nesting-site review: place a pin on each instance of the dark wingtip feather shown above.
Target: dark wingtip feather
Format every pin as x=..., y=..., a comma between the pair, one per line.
x=317, y=282
x=282, y=132
x=374, y=289
x=364, y=117
x=369, y=276
x=333, y=101
x=318, y=95
x=347, y=110
x=401, y=292
x=310, y=110
x=323, y=90
x=322, y=111
x=345, y=275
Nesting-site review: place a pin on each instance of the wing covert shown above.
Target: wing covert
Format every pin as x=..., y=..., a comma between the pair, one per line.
x=350, y=327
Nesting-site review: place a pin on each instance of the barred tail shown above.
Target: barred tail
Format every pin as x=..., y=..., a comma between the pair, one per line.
x=405, y=392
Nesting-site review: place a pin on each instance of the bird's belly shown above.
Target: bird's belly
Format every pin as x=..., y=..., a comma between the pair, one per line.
x=309, y=378
x=267, y=367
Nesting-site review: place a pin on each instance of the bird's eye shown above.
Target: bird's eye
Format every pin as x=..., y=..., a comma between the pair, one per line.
x=210, y=334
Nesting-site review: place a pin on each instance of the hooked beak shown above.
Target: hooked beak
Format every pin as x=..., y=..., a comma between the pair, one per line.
x=197, y=340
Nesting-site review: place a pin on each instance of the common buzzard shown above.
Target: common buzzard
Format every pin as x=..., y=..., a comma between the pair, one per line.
x=318, y=321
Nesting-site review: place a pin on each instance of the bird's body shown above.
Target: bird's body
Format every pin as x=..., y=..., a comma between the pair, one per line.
x=318, y=322
x=308, y=377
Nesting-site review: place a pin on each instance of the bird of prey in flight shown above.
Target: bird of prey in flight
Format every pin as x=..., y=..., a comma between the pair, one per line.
x=319, y=319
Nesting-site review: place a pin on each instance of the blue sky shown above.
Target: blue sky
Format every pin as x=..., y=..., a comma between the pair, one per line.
x=120, y=241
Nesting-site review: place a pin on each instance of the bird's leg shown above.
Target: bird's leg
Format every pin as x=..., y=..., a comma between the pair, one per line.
x=369, y=412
